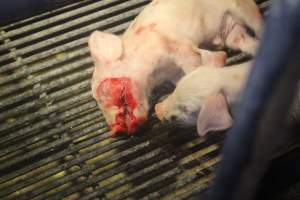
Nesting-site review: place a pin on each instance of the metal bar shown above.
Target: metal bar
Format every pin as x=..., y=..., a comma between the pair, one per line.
x=80, y=32
x=203, y=171
x=74, y=89
x=29, y=140
x=40, y=96
x=133, y=163
x=45, y=112
x=165, y=158
x=44, y=15
x=36, y=80
x=77, y=135
x=56, y=156
x=52, y=145
x=60, y=18
x=57, y=50
x=28, y=131
x=69, y=24
x=52, y=171
x=141, y=161
x=40, y=91
x=26, y=70
x=237, y=58
x=160, y=160
x=154, y=181
x=139, y=142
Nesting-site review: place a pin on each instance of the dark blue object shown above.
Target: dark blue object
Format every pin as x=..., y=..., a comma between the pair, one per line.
x=279, y=42
x=13, y=10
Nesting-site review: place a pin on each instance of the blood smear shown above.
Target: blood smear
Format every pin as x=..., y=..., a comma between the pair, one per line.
x=118, y=92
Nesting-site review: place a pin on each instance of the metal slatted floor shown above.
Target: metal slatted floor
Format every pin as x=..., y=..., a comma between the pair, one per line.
x=53, y=139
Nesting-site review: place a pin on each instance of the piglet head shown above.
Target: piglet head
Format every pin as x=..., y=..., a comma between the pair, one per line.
x=123, y=108
x=210, y=113
x=197, y=99
x=119, y=95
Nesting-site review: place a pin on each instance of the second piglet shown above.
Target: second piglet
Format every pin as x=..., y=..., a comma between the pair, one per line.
x=205, y=97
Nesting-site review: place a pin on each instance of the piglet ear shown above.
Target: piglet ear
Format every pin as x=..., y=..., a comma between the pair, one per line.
x=105, y=47
x=214, y=115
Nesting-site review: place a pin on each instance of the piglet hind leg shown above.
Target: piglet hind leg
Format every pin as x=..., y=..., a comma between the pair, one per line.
x=239, y=39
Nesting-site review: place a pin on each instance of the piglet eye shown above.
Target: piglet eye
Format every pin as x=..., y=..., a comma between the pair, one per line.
x=173, y=118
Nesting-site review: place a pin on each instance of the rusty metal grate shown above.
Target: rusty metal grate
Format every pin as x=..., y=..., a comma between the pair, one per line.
x=53, y=139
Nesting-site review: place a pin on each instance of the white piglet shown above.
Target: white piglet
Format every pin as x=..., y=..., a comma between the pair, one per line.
x=160, y=44
x=205, y=97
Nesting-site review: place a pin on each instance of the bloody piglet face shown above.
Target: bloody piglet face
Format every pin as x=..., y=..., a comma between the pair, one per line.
x=123, y=108
x=119, y=94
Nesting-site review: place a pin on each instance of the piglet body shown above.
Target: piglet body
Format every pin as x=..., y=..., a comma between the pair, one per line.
x=161, y=44
x=205, y=97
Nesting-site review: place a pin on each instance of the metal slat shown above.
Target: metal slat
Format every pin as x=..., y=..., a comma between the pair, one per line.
x=48, y=99
x=66, y=37
x=67, y=8
x=163, y=160
x=23, y=52
x=56, y=156
x=154, y=181
x=37, y=82
x=40, y=90
x=72, y=103
x=84, y=157
x=27, y=141
x=65, y=26
x=69, y=46
x=127, y=166
x=26, y=71
x=78, y=134
x=201, y=167
x=34, y=80
x=59, y=18
x=47, y=64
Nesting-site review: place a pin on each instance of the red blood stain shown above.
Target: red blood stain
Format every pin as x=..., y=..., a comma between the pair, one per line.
x=134, y=123
x=118, y=92
x=141, y=29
